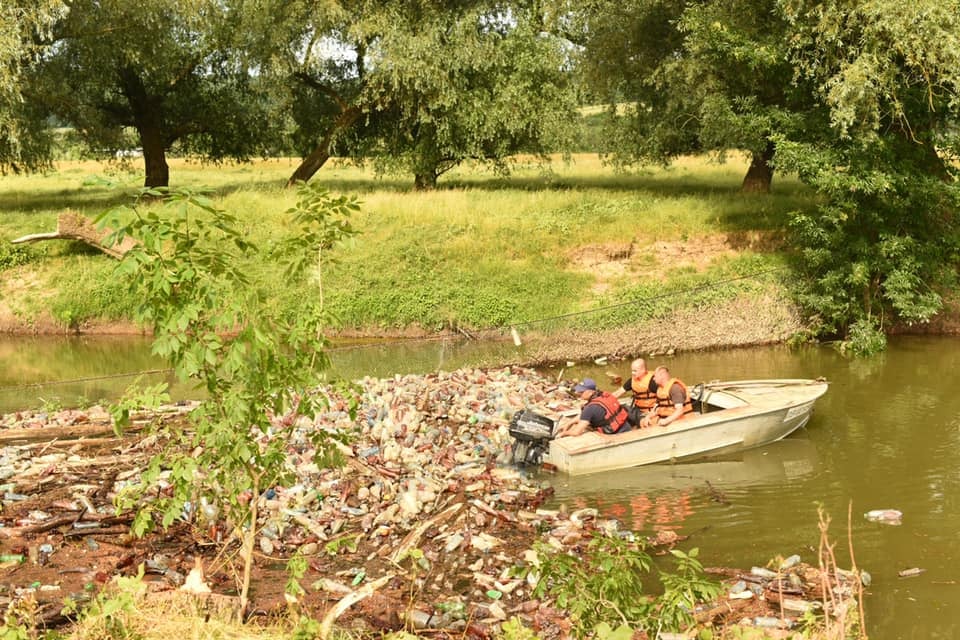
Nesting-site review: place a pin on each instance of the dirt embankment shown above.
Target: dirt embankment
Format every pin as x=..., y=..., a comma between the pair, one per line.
x=765, y=318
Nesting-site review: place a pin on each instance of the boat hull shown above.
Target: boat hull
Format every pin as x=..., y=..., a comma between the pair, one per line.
x=750, y=414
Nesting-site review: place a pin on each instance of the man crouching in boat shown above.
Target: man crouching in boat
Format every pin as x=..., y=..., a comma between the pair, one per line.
x=602, y=412
x=673, y=400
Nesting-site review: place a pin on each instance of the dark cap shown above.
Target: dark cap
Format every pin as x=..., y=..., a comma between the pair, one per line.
x=588, y=384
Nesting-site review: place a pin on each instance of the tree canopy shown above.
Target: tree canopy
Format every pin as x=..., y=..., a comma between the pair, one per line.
x=166, y=69
x=887, y=238
x=694, y=77
x=420, y=86
x=24, y=27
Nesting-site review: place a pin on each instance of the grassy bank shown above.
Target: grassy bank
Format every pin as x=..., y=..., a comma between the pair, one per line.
x=481, y=251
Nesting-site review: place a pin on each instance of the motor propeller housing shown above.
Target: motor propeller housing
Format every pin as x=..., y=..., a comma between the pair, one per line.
x=532, y=433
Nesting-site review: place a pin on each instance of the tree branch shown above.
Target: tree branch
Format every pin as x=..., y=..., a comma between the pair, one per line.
x=326, y=89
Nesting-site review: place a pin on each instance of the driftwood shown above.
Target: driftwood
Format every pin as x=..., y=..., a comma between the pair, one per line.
x=73, y=226
x=413, y=538
x=326, y=626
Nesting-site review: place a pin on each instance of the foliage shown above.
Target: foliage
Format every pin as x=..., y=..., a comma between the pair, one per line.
x=24, y=29
x=296, y=568
x=325, y=222
x=605, y=587
x=886, y=239
x=514, y=629
x=165, y=70
x=510, y=91
x=257, y=365
x=110, y=612
x=419, y=87
x=21, y=621
x=683, y=590
x=684, y=77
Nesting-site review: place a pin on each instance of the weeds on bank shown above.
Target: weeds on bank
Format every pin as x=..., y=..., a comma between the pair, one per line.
x=480, y=251
x=604, y=588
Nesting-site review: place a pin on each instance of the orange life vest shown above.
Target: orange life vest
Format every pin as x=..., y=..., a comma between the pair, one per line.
x=614, y=413
x=665, y=407
x=643, y=398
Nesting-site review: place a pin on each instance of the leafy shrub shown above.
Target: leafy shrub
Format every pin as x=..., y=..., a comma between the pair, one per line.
x=605, y=586
x=257, y=364
x=16, y=255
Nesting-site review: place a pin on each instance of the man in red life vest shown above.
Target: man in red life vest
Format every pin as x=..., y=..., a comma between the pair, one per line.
x=644, y=389
x=602, y=412
x=673, y=400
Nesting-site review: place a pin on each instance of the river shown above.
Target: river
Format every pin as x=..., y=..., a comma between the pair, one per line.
x=886, y=435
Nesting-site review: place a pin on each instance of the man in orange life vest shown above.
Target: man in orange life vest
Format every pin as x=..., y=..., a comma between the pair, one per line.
x=644, y=389
x=602, y=412
x=673, y=400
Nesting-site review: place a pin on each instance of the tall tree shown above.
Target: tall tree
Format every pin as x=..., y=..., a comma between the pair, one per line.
x=421, y=85
x=24, y=30
x=694, y=76
x=887, y=238
x=482, y=82
x=166, y=69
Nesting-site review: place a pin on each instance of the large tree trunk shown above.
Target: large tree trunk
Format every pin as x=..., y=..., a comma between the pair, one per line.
x=426, y=181
x=155, y=160
x=321, y=153
x=148, y=120
x=760, y=174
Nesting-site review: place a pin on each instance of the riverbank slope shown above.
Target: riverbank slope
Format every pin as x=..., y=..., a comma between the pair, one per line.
x=553, y=250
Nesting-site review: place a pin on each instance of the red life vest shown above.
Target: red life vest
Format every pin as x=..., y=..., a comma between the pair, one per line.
x=665, y=407
x=643, y=398
x=614, y=413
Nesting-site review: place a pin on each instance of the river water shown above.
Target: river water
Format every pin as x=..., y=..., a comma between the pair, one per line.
x=886, y=435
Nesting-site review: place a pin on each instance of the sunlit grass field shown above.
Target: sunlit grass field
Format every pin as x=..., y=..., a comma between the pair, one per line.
x=482, y=250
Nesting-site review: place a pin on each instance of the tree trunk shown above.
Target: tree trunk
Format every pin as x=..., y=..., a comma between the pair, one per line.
x=760, y=174
x=155, y=160
x=426, y=181
x=321, y=153
x=147, y=113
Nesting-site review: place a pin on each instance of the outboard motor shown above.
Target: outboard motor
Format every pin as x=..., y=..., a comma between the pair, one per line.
x=532, y=433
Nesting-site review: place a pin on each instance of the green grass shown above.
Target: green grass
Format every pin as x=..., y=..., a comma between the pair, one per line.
x=482, y=250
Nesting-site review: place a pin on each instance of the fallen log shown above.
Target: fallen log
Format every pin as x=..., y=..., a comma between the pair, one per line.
x=71, y=225
x=61, y=433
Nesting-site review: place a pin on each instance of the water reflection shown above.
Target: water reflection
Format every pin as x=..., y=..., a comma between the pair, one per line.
x=663, y=496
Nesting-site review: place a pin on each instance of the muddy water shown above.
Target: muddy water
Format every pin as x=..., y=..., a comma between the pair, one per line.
x=886, y=435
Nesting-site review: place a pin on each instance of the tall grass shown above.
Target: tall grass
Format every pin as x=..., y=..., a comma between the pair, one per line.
x=482, y=250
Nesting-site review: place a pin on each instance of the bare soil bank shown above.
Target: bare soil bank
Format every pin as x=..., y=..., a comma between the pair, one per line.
x=769, y=318
x=745, y=321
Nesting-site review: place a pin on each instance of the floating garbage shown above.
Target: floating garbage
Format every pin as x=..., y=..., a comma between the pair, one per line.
x=884, y=516
x=910, y=573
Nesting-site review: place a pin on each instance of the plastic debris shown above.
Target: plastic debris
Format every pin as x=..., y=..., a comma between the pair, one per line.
x=884, y=516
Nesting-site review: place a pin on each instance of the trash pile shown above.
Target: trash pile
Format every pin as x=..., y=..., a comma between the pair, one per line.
x=781, y=598
x=424, y=484
x=425, y=513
